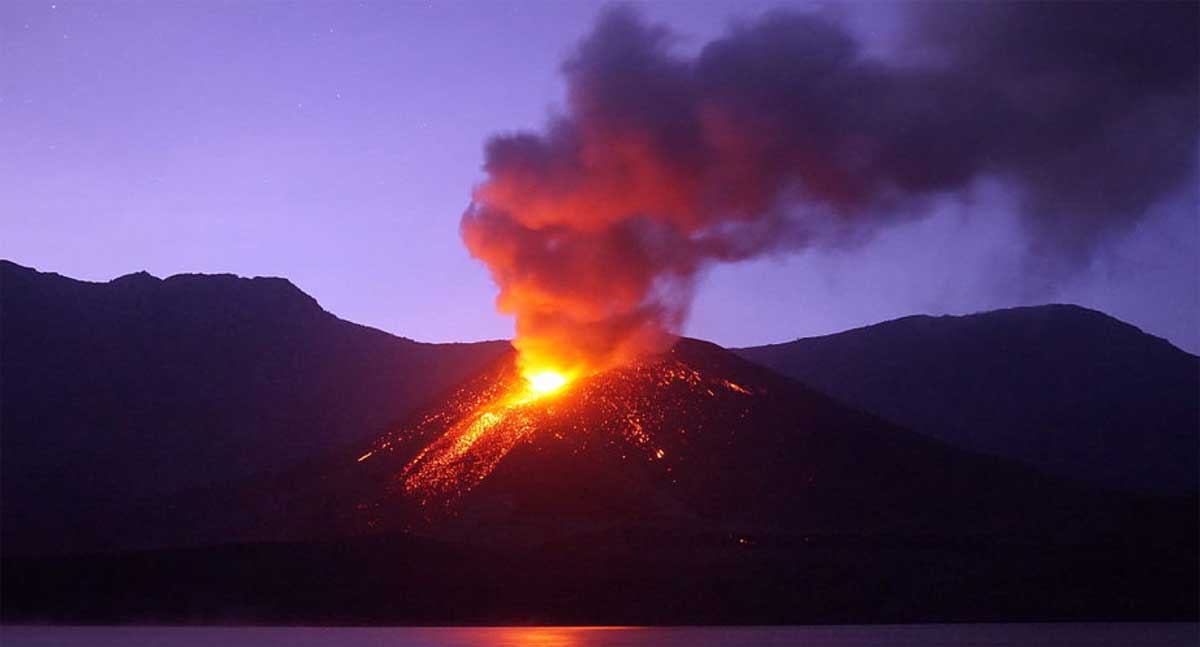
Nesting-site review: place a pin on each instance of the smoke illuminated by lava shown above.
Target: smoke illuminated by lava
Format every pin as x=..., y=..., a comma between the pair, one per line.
x=785, y=134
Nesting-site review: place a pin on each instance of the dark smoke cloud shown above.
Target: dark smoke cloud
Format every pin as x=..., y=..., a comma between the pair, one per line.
x=783, y=134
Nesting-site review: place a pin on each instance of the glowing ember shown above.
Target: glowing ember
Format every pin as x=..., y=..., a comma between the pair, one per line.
x=546, y=382
x=634, y=411
x=473, y=445
x=737, y=387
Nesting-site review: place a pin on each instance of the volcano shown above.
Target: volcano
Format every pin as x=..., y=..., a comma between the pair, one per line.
x=694, y=438
x=687, y=487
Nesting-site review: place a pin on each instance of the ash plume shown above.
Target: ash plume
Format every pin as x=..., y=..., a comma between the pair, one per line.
x=784, y=134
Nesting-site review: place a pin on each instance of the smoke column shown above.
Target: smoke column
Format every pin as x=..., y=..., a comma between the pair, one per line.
x=783, y=134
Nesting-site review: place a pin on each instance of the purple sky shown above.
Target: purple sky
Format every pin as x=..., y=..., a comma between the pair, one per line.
x=336, y=144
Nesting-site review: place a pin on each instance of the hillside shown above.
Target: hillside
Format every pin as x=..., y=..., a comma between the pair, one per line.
x=1065, y=389
x=121, y=392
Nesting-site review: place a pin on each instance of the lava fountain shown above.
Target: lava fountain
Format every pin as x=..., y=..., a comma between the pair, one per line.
x=634, y=411
x=486, y=429
x=546, y=382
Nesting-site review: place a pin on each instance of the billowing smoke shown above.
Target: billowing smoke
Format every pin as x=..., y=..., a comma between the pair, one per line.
x=784, y=134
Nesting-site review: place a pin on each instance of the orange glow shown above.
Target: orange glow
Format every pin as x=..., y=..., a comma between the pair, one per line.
x=467, y=436
x=546, y=382
x=487, y=430
x=737, y=387
x=541, y=637
x=544, y=636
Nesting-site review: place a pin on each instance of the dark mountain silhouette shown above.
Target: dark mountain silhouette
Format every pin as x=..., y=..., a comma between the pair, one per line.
x=221, y=449
x=690, y=487
x=694, y=437
x=1068, y=390
x=123, y=392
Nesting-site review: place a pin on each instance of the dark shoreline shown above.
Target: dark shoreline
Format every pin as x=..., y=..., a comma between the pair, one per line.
x=404, y=580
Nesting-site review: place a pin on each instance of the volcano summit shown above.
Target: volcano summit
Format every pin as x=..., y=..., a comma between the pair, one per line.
x=694, y=436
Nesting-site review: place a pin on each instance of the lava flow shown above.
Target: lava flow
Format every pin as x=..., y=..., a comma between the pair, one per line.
x=546, y=382
x=453, y=448
x=472, y=446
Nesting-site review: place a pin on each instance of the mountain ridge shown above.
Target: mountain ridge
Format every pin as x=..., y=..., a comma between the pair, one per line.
x=1060, y=306
x=696, y=486
x=1067, y=389
x=142, y=386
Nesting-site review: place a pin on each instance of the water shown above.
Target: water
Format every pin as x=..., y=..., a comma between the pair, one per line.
x=978, y=635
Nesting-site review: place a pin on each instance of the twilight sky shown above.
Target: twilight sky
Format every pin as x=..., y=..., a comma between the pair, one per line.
x=337, y=144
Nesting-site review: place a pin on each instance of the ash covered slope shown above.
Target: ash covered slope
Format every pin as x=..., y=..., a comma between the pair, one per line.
x=697, y=438
x=1068, y=390
x=120, y=392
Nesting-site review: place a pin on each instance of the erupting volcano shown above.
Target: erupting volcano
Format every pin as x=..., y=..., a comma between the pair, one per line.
x=467, y=436
x=219, y=448
x=694, y=437
x=596, y=229
x=607, y=439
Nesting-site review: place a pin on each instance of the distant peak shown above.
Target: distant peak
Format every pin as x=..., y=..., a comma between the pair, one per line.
x=270, y=287
x=226, y=278
x=9, y=265
x=1050, y=308
x=142, y=277
x=1052, y=315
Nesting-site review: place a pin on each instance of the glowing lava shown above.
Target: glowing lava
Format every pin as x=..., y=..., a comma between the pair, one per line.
x=481, y=433
x=546, y=382
x=646, y=410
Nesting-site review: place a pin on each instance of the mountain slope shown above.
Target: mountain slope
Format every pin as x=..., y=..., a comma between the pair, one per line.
x=1068, y=390
x=686, y=488
x=120, y=392
x=697, y=439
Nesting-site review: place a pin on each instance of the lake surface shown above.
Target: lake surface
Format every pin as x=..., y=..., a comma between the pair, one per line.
x=978, y=635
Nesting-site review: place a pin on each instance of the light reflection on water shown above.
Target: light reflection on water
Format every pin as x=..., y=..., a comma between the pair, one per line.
x=980, y=635
x=546, y=636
